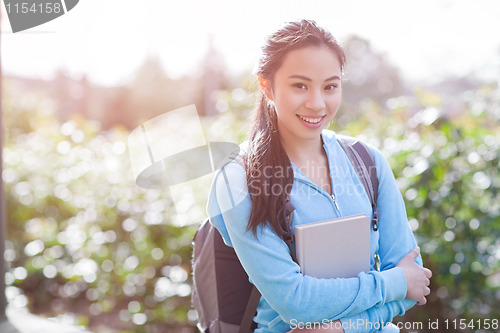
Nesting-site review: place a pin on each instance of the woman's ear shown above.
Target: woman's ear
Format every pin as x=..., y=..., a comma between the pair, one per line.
x=265, y=87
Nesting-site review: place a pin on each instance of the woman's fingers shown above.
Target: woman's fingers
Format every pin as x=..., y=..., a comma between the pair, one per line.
x=413, y=254
x=417, y=277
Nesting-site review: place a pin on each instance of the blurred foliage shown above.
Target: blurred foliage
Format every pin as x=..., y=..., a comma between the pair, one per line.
x=83, y=238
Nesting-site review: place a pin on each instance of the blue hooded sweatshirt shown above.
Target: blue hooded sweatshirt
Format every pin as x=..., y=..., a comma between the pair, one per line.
x=365, y=303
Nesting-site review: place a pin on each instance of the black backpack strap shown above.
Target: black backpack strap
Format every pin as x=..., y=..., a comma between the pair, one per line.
x=286, y=226
x=362, y=160
x=250, y=310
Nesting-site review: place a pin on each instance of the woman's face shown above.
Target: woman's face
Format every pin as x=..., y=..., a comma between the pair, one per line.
x=306, y=91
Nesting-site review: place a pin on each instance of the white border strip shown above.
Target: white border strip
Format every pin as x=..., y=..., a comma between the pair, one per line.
x=64, y=6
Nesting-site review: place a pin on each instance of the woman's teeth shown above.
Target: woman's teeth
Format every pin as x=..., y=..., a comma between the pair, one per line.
x=311, y=120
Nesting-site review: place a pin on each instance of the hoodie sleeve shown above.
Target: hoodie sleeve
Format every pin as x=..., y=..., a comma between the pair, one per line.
x=396, y=240
x=376, y=318
x=267, y=261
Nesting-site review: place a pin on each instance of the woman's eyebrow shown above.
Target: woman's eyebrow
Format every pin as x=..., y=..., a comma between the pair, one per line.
x=335, y=77
x=305, y=78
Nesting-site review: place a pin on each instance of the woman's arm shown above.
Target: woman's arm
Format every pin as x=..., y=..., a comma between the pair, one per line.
x=267, y=261
x=376, y=318
x=369, y=321
x=395, y=238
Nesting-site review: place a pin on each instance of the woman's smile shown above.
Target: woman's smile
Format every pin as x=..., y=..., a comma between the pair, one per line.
x=312, y=121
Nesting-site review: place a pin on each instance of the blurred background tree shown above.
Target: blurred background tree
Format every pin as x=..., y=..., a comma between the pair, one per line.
x=369, y=76
x=83, y=239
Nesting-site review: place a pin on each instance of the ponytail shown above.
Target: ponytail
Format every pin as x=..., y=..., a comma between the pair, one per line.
x=269, y=172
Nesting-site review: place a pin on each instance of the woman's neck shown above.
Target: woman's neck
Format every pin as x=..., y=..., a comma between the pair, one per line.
x=304, y=150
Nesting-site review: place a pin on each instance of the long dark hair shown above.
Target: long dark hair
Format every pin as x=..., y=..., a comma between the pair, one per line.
x=269, y=172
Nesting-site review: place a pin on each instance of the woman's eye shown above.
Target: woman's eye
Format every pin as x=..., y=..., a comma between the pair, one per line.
x=300, y=85
x=330, y=87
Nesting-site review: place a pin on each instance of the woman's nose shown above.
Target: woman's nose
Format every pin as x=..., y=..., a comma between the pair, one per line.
x=315, y=101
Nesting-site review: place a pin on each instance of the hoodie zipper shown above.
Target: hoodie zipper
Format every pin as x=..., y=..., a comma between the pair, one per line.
x=335, y=201
x=334, y=198
x=321, y=190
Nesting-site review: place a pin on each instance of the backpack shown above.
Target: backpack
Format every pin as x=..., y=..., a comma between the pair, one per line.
x=222, y=295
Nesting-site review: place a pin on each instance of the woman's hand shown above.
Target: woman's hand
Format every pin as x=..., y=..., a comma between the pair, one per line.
x=417, y=277
x=331, y=327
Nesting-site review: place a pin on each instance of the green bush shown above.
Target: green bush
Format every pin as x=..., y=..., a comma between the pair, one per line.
x=82, y=237
x=448, y=173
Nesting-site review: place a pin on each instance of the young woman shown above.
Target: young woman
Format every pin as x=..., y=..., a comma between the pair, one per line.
x=289, y=156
